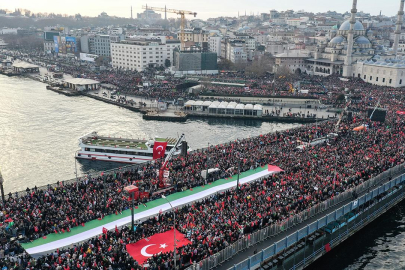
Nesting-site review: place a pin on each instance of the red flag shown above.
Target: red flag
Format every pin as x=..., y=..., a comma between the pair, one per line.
x=105, y=231
x=159, y=149
x=327, y=247
x=161, y=242
x=401, y=112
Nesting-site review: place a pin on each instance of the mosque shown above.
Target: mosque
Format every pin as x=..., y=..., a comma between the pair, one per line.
x=353, y=52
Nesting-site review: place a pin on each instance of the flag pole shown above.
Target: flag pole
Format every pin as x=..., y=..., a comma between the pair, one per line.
x=174, y=230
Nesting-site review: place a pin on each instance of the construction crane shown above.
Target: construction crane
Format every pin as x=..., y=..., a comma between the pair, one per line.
x=168, y=158
x=182, y=13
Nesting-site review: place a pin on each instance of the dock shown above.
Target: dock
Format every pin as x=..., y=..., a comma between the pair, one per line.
x=168, y=115
x=63, y=91
x=264, y=118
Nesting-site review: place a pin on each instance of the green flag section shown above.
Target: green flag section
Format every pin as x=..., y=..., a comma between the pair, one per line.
x=184, y=197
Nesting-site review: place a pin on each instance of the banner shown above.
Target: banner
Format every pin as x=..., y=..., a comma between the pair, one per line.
x=159, y=149
x=142, y=250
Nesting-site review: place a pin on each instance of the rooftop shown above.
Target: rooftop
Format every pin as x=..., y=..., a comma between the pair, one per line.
x=325, y=60
x=24, y=65
x=124, y=143
x=81, y=81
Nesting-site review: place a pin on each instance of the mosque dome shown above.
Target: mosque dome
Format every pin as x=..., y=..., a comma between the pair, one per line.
x=358, y=26
x=362, y=40
x=337, y=40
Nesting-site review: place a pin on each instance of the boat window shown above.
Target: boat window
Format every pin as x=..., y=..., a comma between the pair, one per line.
x=86, y=149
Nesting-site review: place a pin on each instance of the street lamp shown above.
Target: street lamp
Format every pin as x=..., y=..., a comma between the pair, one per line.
x=131, y=192
x=77, y=182
x=1, y=188
x=237, y=180
x=174, y=230
x=208, y=158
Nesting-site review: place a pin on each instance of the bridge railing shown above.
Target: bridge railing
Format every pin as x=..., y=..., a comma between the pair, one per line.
x=277, y=228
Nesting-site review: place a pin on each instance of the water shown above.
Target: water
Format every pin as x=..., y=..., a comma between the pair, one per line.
x=39, y=132
x=380, y=245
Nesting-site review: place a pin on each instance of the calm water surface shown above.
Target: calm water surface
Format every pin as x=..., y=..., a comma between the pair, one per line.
x=39, y=132
x=380, y=245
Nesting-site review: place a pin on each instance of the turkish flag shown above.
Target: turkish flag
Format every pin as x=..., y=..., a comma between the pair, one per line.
x=161, y=242
x=159, y=149
x=401, y=112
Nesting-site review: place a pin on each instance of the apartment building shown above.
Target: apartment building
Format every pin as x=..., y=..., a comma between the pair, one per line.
x=140, y=54
x=100, y=45
x=197, y=35
x=214, y=45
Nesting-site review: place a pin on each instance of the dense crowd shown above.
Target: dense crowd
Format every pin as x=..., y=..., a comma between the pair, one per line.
x=310, y=176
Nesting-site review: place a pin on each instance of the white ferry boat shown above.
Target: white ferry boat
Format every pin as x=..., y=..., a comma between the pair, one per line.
x=95, y=147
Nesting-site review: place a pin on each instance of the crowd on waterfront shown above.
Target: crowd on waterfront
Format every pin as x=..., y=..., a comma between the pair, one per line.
x=310, y=176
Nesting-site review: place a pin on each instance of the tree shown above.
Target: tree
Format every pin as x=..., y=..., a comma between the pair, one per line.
x=260, y=66
x=283, y=71
x=102, y=60
x=167, y=63
x=240, y=65
x=225, y=64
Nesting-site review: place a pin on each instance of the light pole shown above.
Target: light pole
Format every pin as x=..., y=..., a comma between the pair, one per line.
x=208, y=158
x=132, y=214
x=334, y=182
x=2, y=190
x=174, y=230
x=77, y=182
x=237, y=180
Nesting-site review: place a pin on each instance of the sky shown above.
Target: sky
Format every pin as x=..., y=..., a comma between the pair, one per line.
x=205, y=9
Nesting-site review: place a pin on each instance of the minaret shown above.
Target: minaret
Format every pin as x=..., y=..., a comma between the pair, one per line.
x=398, y=28
x=165, y=14
x=347, y=68
x=131, y=13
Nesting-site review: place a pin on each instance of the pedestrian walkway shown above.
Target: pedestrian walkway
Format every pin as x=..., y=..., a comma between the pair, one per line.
x=93, y=228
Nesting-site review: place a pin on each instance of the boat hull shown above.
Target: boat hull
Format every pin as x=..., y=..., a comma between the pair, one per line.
x=112, y=157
